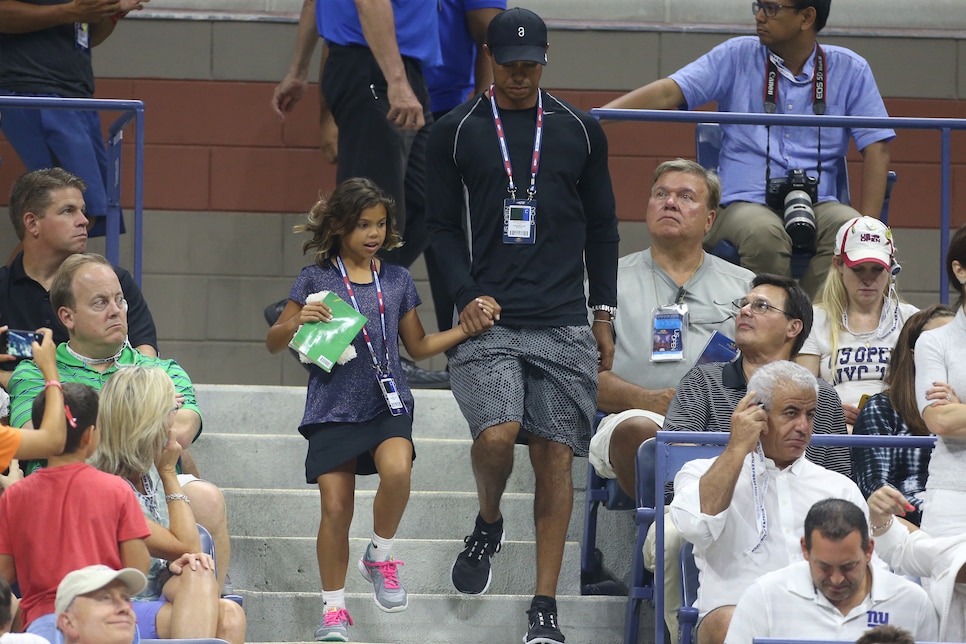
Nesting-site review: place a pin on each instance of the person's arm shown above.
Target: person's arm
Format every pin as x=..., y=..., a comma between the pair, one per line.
x=5, y=379
x=134, y=554
x=419, y=345
x=662, y=94
x=477, y=21
x=875, y=170
x=809, y=361
x=329, y=143
x=601, y=249
x=181, y=535
x=614, y=394
x=48, y=439
x=292, y=88
x=942, y=420
x=717, y=486
x=292, y=317
x=7, y=568
x=102, y=29
x=22, y=17
x=379, y=30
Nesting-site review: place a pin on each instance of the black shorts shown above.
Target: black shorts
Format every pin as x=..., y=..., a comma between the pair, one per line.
x=332, y=444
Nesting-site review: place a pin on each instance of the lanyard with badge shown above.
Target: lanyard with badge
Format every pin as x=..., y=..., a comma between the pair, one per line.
x=669, y=323
x=387, y=384
x=519, y=215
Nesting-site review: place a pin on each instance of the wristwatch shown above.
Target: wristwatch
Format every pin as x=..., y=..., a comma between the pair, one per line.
x=610, y=310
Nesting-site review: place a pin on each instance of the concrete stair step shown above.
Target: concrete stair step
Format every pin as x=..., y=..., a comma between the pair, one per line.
x=446, y=515
x=277, y=461
x=250, y=409
x=436, y=619
x=289, y=564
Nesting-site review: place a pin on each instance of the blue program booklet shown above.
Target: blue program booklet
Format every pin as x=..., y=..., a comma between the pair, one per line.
x=720, y=348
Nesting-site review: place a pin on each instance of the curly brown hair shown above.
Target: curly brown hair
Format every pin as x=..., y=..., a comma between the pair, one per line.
x=331, y=219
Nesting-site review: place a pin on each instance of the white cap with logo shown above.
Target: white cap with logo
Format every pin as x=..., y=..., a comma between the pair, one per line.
x=864, y=239
x=87, y=580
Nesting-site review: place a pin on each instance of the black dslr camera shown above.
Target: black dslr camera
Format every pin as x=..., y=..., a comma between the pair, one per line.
x=792, y=198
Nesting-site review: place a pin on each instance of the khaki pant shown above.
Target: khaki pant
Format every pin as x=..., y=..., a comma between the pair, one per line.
x=672, y=570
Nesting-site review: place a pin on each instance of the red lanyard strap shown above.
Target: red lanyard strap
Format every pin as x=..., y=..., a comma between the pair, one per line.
x=504, y=151
x=355, y=305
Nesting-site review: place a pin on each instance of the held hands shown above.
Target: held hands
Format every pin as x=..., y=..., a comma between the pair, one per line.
x=748, y=422
x=479, y=315
x=194, y=561
x=167, y=459
x=941, y=394
x=885, y=502
x=315, y=312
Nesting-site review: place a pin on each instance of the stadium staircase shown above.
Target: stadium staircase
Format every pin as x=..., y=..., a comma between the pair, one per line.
x=251, y=449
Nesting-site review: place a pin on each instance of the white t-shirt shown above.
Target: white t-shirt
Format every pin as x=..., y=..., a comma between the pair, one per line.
x=22, y=638
x=860, y=360
x=784, y=604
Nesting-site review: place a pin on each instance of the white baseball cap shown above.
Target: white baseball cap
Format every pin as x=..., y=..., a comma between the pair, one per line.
x=87, y=580
x=864, y=239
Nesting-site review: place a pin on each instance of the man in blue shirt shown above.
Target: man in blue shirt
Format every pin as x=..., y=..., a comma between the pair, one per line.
x=809, y=79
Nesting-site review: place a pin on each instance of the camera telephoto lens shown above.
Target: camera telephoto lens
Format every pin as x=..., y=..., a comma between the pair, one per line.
x=800, y=220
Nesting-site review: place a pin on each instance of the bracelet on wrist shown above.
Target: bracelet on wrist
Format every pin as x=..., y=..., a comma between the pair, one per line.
x=598, y=320
x=885, y=526
x=177, y=497
x=54, y=383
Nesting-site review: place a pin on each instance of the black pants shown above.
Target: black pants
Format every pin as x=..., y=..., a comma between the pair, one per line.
x=372, y=146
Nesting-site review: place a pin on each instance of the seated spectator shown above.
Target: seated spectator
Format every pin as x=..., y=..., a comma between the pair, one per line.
x=8, y=610
x=858, y=315
x=94, y=605
x=886, y=634
x=90, y=303
x=740, y=508
x=48, y=213
x=674, y=278
x=48, y=507
x=137, y=443
x=49, y=438
x=910, y=551
x=836, y=593
x=894, y=412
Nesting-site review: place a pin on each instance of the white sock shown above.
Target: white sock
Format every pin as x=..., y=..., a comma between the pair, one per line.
x=334, y=598
x=380, y=548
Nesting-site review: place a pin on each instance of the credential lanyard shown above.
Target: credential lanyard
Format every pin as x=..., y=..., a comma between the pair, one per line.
x=537, y=140
x=355, y=305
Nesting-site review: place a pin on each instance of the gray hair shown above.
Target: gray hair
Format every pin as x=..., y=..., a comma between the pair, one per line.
x=789, y=375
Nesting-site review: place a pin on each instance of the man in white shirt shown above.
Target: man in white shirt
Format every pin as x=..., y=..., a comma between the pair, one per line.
x=744, y=509
x=835, y=593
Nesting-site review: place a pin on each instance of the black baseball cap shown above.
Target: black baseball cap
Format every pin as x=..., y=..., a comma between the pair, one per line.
x=517, y=34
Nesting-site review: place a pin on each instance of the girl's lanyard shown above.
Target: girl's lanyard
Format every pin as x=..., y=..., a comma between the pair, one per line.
x=382, y=313
x=519, y=215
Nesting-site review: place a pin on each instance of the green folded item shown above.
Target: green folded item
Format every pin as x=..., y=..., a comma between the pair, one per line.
x=323, y=343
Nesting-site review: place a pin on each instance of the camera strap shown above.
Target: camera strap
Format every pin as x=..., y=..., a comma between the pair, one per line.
x=771, y=101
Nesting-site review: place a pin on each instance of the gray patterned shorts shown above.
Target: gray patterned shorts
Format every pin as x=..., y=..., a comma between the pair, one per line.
x=544, y=378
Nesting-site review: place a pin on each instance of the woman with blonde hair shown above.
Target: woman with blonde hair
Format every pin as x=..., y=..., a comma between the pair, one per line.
x=858, y=315
x=137, y=407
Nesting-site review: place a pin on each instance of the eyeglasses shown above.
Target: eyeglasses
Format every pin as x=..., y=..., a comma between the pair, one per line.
x=771, y=9
x=758, y=307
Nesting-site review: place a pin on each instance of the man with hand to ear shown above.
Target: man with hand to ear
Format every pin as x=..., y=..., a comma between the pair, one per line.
x=744, y=509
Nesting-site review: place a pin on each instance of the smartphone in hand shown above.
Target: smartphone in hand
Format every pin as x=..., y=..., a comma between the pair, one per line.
x=17, y=343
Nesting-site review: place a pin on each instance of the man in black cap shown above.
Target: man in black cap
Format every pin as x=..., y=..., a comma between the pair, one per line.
x=520, y=204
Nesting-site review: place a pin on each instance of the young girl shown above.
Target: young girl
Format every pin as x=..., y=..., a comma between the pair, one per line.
x=353, y=421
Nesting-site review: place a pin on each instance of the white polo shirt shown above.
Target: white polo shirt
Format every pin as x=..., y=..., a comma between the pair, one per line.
x=725, y=544
x=785, y=604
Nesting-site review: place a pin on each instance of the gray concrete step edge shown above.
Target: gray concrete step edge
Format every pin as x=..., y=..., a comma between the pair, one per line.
x=438, y=619
x=275, y=461
x=289, y=564
x=268, y=409
x=444, y=515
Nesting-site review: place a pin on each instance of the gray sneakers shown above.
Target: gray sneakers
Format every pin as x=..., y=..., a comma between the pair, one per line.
x=334, y=626
x=390, y=595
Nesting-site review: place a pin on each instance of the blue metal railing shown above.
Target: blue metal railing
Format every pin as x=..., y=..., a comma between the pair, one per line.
x=943, y=125
x=130, y=110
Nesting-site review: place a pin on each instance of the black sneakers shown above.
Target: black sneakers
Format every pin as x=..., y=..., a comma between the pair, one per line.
x=419, y=378
x=542, y=618
x=471, y=572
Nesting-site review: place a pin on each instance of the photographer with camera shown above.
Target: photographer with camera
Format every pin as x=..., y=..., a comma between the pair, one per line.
x=784, y=71
x=858, y=315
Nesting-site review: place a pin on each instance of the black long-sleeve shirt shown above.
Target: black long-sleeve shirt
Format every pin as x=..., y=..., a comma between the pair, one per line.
x=538, y=284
